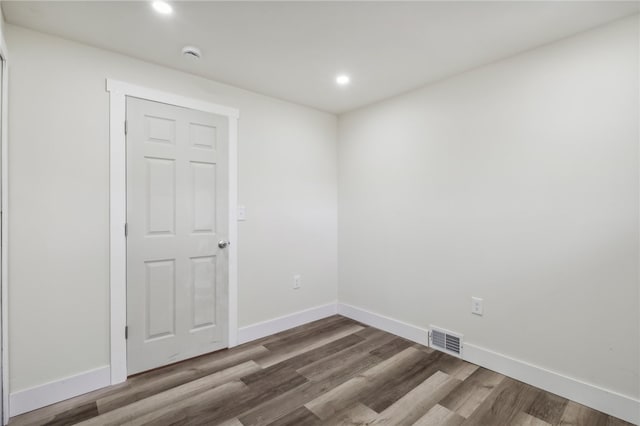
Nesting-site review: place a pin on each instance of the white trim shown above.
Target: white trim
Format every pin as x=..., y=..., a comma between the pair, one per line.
x=390, y=325
x=59, y=390
x=600, y=399
x=233, y=232
x=276, y=325
x=118, y=92
x=4, y=227
x=142, y=92
x=117, y=241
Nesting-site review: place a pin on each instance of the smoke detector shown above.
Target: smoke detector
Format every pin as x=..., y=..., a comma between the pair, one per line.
x=191, y=52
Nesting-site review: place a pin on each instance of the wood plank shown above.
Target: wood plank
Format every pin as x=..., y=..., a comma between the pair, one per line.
x=423, y=348
x=578, y=415
x=290, y=351
x=411, y=407
x=391, y=348
x=548, y=407
x=299, y=417
x=524, y=419
x=231, y=422
x=467, y=397
x=299, y=331
x=369, y=332
x=614, y=421
x=289, y=401
x=75, y=415
x=256, y=394
x=173, y=395
x=405, y=380
x=324, y=368
x=310, y=357
x=187, y=410
x=355, y=415
x=503, y=404
x=465, y=370
x=440, y=416
x=272, y=376
x=371, y=380
x=301, y=337
x=142, y=387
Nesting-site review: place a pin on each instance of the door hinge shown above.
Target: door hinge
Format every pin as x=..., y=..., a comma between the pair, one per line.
x=126, y=229
x=126, y=127
x=126, y=331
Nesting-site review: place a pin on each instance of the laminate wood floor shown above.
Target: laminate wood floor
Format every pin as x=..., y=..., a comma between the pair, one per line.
x=330, y=372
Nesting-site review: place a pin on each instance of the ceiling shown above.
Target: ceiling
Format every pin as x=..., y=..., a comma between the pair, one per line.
x=294, y=50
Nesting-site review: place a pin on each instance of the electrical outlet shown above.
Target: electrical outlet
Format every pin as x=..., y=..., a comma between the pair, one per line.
x=296, y=281
x=476, y=306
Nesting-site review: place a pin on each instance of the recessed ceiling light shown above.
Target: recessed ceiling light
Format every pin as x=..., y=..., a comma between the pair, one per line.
x=162, y=7
x=343, y=79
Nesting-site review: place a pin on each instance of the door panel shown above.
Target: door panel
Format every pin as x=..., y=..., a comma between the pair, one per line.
x=202, y=136
x=160, y=298
x=203, y=272
x=203, y=201
x=161, y=197
x=160, y=129
x=177, y=204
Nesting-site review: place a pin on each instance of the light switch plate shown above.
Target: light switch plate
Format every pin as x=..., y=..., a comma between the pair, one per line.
x=242, y=213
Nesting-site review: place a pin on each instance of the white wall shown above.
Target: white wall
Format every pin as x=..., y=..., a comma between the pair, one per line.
x=516, y=182
x=59, y=153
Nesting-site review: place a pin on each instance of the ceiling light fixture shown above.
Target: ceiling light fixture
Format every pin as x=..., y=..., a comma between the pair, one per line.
x=162, y=7
x=192, y=52
x=343, y=79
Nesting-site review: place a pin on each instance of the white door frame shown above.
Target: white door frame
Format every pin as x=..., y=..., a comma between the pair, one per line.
x=118, y=91
x=4, y=207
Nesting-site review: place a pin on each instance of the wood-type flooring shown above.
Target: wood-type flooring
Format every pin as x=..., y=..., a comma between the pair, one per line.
x=334, y=371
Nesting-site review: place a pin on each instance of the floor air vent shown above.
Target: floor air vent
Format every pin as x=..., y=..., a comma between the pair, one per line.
x=445, y=341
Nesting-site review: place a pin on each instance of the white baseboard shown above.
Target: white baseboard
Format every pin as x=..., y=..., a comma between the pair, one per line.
x=390, y=325
x=276, y=325
x=600, y=399
x=52, y=392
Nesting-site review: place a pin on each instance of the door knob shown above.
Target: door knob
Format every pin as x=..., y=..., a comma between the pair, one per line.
x=223, y=244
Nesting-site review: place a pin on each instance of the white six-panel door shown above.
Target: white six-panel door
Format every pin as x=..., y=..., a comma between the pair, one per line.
x=177, y=214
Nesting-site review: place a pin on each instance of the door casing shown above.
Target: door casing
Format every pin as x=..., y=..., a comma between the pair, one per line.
x=4, y=235
x=118, y=91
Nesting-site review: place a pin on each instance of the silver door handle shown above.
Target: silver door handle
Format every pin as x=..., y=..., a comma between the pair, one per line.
x=223, y=244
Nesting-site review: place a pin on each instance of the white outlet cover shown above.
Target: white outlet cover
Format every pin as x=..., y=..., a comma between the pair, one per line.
x=477, y=307
x=296, y=281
